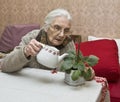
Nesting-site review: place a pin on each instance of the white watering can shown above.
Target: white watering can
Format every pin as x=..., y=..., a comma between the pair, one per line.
x=49, y=56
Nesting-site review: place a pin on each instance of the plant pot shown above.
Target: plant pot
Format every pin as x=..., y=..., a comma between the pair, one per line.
x=68, y=80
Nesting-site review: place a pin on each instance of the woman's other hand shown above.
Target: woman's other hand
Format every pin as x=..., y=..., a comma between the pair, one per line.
x=92, y=72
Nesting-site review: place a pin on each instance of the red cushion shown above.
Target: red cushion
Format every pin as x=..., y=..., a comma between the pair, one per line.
x=115, y=91
x=12, y=34
x=107, y=51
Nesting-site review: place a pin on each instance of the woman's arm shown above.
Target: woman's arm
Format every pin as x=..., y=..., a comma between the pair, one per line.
x=16, y=59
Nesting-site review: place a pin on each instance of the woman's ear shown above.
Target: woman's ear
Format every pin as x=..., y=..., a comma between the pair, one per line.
x=46, y=27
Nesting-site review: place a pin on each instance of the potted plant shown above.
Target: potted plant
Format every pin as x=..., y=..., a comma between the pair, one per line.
x=77, y=67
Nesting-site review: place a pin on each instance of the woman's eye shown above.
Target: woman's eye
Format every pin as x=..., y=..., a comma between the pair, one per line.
x=57, y=27
x=67, y=30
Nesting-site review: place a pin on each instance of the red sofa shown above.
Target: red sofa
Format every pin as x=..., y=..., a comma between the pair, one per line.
x=106, y=50
x=115, y=91
x=108, y=66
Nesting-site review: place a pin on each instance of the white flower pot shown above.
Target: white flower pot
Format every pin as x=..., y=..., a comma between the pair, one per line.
x=77, y=82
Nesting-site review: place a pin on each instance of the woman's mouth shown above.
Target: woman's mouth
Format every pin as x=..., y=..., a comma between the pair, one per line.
x=59, y=39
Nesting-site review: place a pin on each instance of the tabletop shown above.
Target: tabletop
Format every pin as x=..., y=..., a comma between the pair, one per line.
x=37, y=85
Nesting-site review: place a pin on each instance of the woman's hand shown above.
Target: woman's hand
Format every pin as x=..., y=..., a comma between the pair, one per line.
x=32, y=48
x=92, y=72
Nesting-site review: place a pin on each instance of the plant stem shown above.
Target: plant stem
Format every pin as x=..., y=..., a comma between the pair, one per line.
x=78, y=51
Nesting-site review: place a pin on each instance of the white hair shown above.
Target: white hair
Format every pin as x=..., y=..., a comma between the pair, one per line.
x=56, y=13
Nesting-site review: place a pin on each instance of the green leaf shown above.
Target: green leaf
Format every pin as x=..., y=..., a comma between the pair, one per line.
x=79, y=66
x=72, y=54
x=92, y=60
x=75, y=75
x=66, y=65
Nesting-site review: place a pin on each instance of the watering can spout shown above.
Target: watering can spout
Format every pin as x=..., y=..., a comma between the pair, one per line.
x=62, y=57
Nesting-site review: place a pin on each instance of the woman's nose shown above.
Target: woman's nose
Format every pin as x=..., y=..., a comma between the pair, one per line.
x=61, y=33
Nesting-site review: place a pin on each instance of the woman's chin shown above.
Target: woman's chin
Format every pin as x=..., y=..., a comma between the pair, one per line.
x=57, y=43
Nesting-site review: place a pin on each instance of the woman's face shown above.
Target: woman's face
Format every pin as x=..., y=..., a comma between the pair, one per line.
x=58, y=30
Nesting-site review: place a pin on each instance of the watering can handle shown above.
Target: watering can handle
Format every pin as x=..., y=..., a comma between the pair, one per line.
x=43, y=45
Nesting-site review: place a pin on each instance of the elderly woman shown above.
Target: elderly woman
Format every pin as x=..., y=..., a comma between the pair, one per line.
x=55, y=32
